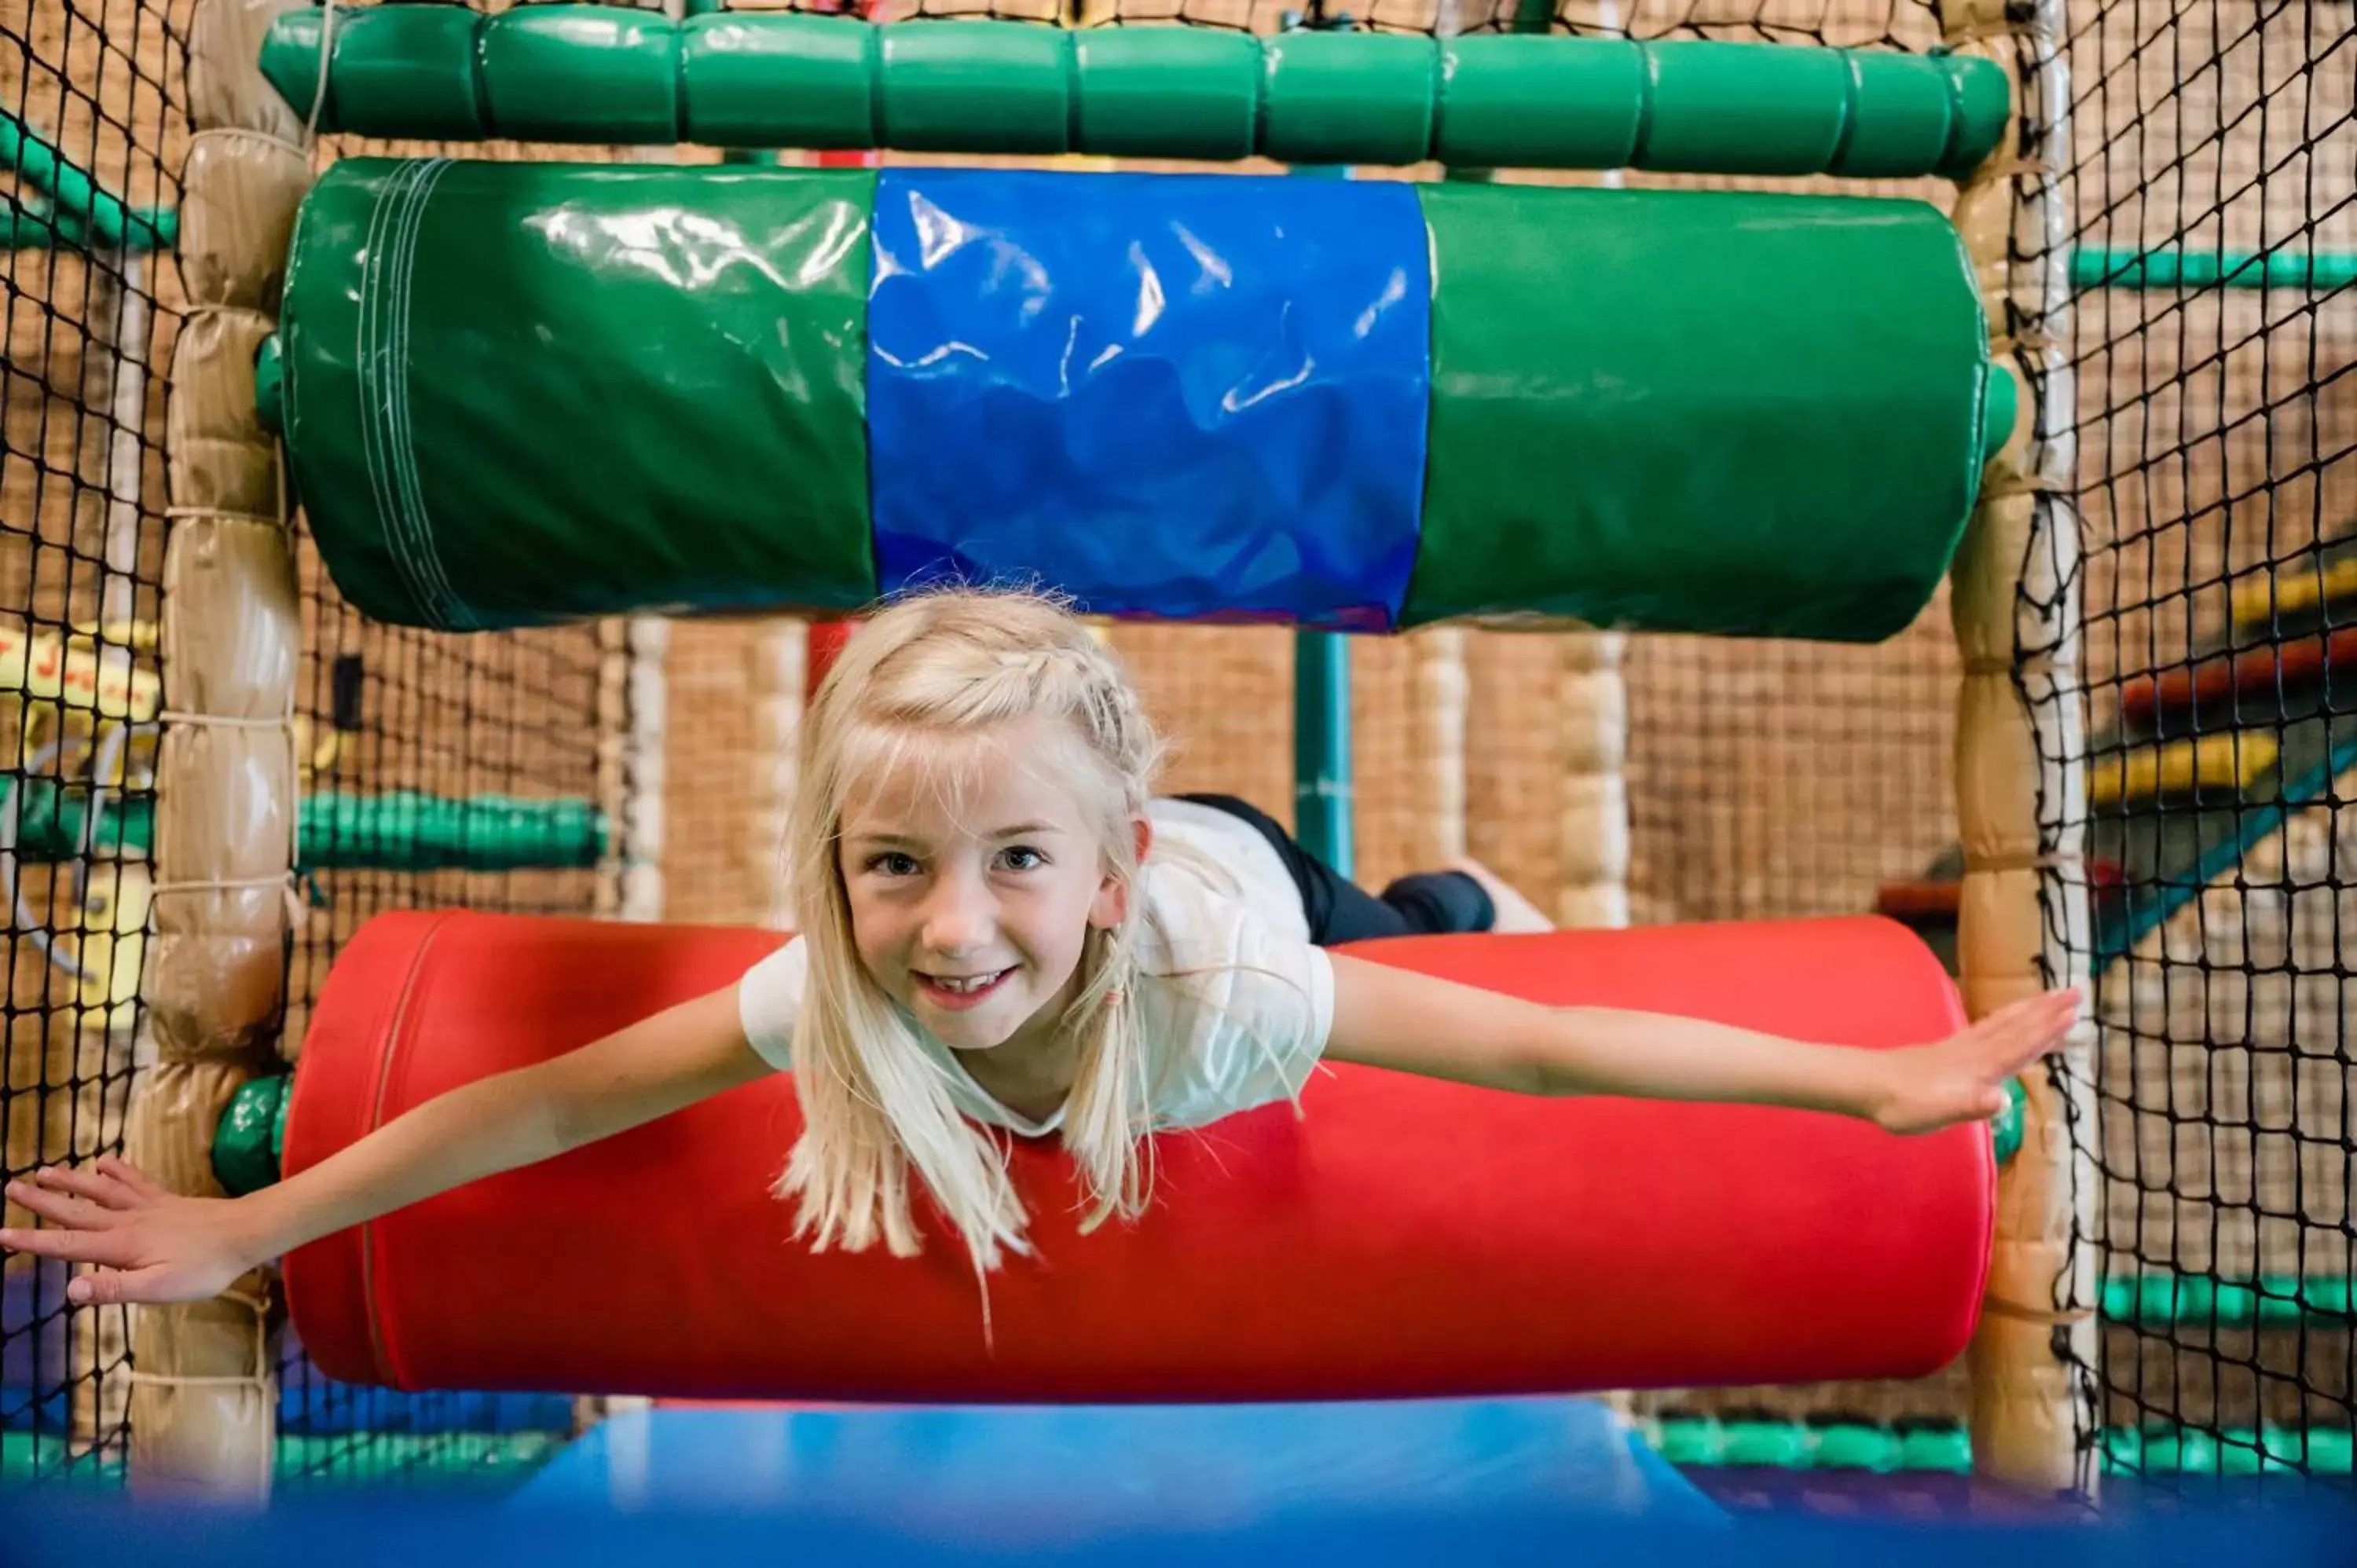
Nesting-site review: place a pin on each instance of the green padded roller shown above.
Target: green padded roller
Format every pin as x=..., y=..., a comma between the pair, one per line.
x=394, y=830
x=468, y=1461
x=615, y=75
x=403, y=829
x=51, y=819
x=2174, y=267
x=1709, y=1443
x=1601, y=450
x=250, y=1139
x=2272, y=1301
x=628, y=364
x=81, y=212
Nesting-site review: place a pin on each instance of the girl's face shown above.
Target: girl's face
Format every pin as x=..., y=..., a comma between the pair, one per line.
x=970, y=906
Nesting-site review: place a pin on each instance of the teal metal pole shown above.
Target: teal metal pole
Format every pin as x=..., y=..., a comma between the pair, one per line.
x=1321, y=746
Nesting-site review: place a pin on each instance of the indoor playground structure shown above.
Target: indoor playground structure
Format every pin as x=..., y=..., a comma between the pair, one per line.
x=1850, y=503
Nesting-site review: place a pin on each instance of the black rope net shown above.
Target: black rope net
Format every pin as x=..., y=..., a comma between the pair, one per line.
x=437, y=771
x=1764, y=779
x=480, y=771
x=87, y=297
x=2215, y=195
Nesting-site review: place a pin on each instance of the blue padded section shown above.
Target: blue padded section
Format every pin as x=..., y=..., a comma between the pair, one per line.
x=1197, y=397
x=990, y=1474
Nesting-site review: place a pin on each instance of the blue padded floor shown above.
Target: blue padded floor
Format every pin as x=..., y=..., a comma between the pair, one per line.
x=1004, y=1472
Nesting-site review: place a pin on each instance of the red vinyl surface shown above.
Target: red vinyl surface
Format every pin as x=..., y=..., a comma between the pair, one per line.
x=1401, y=1237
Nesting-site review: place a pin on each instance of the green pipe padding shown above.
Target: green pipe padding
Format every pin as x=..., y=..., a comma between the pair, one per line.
x=652, y=377
x=250, y=1142
x=1709, y=1443
x=2238, y=1451
x=2272, y=1301
x=82, y=213
x=611, y=75
x=2007, y=1132
x=1708, y=411
x=156, y=229
x=403, y=829
x=270, y=384
x=2170, y=267
x=51, y=819
x=526, y=393
x=447, y=1460
x=393, y=830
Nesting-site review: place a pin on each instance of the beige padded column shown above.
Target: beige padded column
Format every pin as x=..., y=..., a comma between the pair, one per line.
x=2021, y=778
x=203, y=1407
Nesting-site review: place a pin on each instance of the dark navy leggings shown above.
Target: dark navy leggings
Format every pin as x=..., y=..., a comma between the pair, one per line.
x=1424, y=903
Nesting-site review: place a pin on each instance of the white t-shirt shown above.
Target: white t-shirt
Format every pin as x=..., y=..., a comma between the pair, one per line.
x=1237, y=1002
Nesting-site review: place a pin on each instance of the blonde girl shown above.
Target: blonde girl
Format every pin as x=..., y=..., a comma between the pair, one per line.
x=1005, y=933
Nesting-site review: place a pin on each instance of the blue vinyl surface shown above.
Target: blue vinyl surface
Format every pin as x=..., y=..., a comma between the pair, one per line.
x=55, y=1529
x=1179, y=396
x=1003, y=1473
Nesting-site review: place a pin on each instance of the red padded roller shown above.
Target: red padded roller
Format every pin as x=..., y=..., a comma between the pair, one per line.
x=1403, y=1238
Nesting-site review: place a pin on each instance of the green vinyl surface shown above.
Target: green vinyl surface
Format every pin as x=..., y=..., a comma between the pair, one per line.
x=1750, y=415
x=521, y=393
x=759, y=78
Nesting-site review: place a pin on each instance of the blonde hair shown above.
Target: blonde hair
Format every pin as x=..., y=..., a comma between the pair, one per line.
x=956, y=665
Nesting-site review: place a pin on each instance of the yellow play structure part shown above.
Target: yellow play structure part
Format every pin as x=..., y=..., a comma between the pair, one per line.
x=107, y=948
x=2225, y=762
x=2293, y=590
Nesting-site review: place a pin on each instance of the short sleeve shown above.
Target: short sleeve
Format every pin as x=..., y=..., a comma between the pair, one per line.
x=769, y=998
x=1244, y=1028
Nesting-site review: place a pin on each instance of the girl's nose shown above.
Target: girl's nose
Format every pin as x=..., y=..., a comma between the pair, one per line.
x=958, y=918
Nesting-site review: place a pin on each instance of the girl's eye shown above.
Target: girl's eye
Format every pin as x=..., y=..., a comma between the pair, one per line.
x=892, y=862
x=1021, y=858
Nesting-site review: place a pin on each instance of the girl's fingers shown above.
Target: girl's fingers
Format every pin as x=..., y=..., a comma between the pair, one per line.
x=95, y=1184
x=131, y=1176
x=105, y=1286
x=72, y=1246
x=59, y=1207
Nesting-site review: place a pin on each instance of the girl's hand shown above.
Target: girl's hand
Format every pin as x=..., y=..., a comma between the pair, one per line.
x=1962, y=1078
x=150, y=1245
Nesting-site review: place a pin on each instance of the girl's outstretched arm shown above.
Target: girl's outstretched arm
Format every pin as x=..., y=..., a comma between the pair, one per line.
x=150, y=1245
x=1413, y=1023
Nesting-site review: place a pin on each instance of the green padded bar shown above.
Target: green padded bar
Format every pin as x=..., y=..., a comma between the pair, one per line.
x=1829, y=512
x=154, y=229
x=2006, y=1134
x=251, y=1138
x=82, y=215
x=270, y=385
x=2170, y=267
x=613, y=75
x=465, y=1462
x=403, y=829
x=1710, y=1442
x=582, y=353
x=2271, y=1301
x=52, y=819
x=394, y=830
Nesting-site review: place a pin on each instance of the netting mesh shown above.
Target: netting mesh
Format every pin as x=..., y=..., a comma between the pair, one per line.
x=437, y=770
x=2216, y=439
x=83, y=93
x=2217, y=460
x=398, y=715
